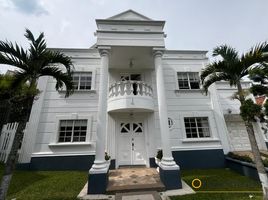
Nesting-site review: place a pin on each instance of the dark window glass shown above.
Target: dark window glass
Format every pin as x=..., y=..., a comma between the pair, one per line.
x=196, y=127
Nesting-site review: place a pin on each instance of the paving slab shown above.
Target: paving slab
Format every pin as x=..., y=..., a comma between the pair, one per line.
x=147, y=195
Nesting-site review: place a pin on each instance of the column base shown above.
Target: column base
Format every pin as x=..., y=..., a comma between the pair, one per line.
x=98, y=181
x=170, y=177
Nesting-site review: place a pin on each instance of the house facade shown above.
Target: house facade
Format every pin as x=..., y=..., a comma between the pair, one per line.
x=133, y=97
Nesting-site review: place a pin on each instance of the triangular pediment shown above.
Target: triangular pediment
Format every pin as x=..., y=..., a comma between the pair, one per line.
x=130, y=15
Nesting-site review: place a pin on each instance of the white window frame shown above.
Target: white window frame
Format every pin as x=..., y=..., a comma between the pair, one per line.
x=188, y=79
x=197, y=127
x=73, y=128
x=54, y=141
x=93, y=74
x=211, y=122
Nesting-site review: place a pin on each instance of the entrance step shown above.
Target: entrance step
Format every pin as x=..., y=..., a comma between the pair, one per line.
x=134, y=180
x=152, y=195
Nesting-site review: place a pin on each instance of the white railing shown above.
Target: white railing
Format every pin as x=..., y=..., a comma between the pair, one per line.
x=127, y=88
x=6, y=140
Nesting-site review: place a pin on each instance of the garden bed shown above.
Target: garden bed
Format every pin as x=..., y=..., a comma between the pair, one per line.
x=243, y=165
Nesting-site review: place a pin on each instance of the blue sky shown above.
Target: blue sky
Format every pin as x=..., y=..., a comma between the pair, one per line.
x=190, y=24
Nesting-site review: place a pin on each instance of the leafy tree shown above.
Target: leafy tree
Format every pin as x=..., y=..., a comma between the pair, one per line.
x=32, y=63
x=232, y=68
x=13, y=100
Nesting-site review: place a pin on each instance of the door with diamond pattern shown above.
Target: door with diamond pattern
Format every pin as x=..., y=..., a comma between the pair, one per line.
x=131, y=144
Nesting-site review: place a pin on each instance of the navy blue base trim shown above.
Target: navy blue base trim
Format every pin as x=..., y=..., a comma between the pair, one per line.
x=83, y=162
x=23, y=166
x=266, y=144
x=152, y=162
x=200, y=159
x=170, y=178
x=243, y=168
x=97, y=183
x=112, y=165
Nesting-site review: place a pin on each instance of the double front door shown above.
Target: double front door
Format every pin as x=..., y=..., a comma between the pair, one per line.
x=131, y=144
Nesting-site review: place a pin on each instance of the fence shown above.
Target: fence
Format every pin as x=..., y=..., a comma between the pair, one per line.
x=6, y=140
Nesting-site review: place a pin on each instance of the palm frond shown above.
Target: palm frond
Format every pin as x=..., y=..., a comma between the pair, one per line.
x=52, y=58
x=216, y=66
x=37, y=46
x=226, y=52
x=63, y=79
x=212, y=78
x=255, y=55
x=7, y=60
x=14, y=52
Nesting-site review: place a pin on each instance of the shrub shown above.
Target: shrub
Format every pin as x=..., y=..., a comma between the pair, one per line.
x=107, y=157
x=159, y=154
x=244, y=158
x=265, y=162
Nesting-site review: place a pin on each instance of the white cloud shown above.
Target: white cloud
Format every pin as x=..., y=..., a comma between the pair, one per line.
x=32, y=7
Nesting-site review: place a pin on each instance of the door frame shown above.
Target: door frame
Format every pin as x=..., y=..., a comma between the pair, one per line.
x=145, y=130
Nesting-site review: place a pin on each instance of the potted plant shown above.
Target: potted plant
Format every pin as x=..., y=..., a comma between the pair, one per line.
x=107, y=158
x=159, y=156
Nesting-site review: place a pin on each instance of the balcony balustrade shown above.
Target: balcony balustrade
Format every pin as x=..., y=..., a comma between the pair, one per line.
x=124, y=95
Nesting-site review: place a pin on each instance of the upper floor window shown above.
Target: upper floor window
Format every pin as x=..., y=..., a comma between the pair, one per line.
x=196, y=127
x=72, y=130
x=188, y=80
x=82, y=80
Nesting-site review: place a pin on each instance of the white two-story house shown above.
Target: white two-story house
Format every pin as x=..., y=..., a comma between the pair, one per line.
x=133, y=97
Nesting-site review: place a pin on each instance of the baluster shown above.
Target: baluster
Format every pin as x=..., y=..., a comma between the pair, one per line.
x=113, y=90
x=110, y=91
x=139, y=88
x=151, y=91
x=117, y=89
x=125, y=88
x=145, y=89
x=131, y=87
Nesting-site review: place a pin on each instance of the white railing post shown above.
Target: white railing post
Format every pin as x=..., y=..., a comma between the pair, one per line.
x=125, y=88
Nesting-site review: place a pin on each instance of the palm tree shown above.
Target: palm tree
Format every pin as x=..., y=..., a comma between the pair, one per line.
x=232, y=68
x=32, y=63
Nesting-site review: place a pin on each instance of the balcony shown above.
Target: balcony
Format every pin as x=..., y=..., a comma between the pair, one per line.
x=130, y=96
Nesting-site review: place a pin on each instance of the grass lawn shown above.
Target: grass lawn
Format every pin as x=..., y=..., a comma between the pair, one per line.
x=46, y=185
x=221, y=184
x=217, y=184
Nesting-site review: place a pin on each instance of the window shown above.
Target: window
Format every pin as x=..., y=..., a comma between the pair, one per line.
x=188, y=80
x=170, y=123
x=82, y=80
x=72, y=130
x=196, y=127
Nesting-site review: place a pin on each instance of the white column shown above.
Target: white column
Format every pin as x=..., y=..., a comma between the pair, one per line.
x=167, y=161
x=100, y=165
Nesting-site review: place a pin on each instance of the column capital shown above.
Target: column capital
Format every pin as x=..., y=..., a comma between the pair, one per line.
x=158, y=52
x=104, y=50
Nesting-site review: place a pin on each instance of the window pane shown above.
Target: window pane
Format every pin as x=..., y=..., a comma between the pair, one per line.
x=82, y=81
x=72, y=130
x=196, y=127
x=191, y=83
x=194, y=80
x=183, y=80
x=135, y=77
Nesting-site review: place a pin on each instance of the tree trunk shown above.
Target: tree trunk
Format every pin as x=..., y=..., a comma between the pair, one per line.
x=13, y=155
x=255, y=149
x=257, y=159
x=240, y=92
x=11, y=161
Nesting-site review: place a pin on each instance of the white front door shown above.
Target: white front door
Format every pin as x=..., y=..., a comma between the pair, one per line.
x=131, y=144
